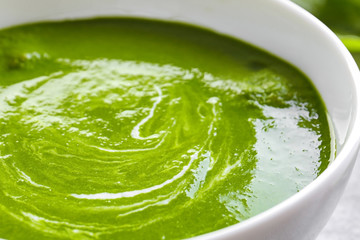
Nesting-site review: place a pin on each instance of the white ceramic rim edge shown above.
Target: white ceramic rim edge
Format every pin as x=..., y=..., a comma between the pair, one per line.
x=342, y=160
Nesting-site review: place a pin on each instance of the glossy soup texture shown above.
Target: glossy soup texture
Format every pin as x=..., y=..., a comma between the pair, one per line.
x=141, y=129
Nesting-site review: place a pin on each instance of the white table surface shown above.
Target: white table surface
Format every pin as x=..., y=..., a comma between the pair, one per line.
x=345, y=221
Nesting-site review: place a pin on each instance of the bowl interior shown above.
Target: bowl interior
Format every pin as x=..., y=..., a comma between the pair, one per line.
x=278, y=26
x=264, y=23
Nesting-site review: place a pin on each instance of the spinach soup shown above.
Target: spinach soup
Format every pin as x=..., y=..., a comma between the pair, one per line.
x=126, y=128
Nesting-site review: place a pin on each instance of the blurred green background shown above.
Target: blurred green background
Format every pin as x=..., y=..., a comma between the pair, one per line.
x=341, y=16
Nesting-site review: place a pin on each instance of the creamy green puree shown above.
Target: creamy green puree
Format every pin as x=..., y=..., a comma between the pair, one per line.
x=140, y=129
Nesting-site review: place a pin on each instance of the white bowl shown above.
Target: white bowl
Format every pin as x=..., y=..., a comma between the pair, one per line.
x=281, y=28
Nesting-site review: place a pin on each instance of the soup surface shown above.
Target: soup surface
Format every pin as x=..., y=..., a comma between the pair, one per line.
x=141, y=129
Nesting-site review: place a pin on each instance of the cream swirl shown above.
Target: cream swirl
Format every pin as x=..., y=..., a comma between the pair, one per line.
x=116, y=147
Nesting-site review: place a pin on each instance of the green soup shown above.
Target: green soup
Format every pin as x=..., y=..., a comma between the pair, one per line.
x=140, y=129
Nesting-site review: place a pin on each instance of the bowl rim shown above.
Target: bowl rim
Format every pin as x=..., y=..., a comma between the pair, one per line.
x=342, y=159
